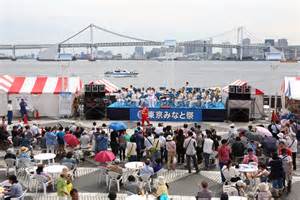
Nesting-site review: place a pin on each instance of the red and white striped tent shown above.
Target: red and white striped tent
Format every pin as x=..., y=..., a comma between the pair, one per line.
x=41, y=93
x=109, y=86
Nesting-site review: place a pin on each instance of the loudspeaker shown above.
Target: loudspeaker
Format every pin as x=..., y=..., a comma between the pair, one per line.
x=239, y=115
x=87, y=88
x=232, y=89
x=95, y=88
x=239, y=90
x=247, y=90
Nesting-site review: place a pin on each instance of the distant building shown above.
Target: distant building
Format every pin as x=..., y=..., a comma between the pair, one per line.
x=138, y=53
x=282, y=43
x=246, y=51
x=270, y=42
x=199, y=48
x=226, y=52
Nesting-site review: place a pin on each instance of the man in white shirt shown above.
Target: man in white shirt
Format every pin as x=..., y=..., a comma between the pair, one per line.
x=292, y=143
x=207, y=150
x=190, y=145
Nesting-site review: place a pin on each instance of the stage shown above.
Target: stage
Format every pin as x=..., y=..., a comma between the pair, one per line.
x=216, y=113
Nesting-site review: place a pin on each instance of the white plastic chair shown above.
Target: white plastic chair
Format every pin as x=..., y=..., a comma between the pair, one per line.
x=114, y=177
x=22, y=164
x=102, y=175
x=41, y=181
x=10, y=164
x=146, y=181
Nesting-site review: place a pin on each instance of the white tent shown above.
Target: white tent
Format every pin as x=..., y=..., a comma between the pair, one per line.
x=290, y=90
x=50, y=96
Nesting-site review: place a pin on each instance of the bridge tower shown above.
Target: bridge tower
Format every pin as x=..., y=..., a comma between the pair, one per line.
x=92, y=41
x=240, y=37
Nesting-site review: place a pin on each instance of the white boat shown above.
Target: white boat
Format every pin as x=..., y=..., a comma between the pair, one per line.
x=121, y=73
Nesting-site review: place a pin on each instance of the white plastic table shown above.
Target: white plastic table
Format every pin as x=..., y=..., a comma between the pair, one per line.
x=54, y=169
x=246, y=168
x=134, y=165
x=45, y=156
x=140, y=197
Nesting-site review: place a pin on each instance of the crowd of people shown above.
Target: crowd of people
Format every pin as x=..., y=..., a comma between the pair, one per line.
x=274, y=156
x=184, y=97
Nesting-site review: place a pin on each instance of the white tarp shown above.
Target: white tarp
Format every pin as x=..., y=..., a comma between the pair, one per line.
x=291, y=88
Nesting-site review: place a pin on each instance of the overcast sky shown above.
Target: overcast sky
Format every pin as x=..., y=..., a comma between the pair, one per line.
x=47, y=21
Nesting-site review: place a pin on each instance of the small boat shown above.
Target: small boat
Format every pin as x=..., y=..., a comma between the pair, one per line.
x=121, y=73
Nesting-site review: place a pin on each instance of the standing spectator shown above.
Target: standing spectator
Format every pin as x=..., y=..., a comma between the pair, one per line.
x=60, y=140
x=207, y=150
x=114, y=143
x=122, y=145
x=190, y=146
x=171, y=151
x=85, y=141
x=140, y=146
x=224, y=156
x=23, y=108
x=179, y=139
x=204, y=193
x=237, y=150
x=277, y=174
x=101, y=142
x=9, y=112
x=149, y=139
x=51, y=140
x=163, y=152
x=199, y=140
x=292, y=144
x=131, y=150
x=287, y=168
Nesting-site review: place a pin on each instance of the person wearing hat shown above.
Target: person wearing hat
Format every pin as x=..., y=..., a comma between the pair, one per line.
x=162, y=188
x=263, y=192
x=24, y=153
x=171, y=149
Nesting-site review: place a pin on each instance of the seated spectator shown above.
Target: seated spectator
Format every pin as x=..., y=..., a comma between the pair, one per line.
x=250, y=157
x=69, y=159
x=16, y=189
x=24, y=153
x=132, y=185
x=162, y=187
x=157, y=166
x=147, y=169
x=263, y=192
x=230, y=173
x=262, y=173
x=10, y=154
x=204, y=193
x=40, y=171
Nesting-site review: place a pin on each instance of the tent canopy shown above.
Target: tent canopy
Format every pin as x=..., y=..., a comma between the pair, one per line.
x=290, y=87
x=242, y=83
x=109, y=86
x=40, y=84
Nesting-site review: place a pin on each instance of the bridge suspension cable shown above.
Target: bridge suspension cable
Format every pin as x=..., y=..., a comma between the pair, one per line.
x=120, y=35
x=71, y=37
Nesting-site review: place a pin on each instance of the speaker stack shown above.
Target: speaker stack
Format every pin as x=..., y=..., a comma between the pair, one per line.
x=239, y=103
x=94, y=101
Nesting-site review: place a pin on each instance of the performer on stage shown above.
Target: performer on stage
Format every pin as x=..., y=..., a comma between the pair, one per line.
x=145, y=115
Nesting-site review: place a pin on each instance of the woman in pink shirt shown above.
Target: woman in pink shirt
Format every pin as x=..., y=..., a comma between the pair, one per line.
x=250, y=157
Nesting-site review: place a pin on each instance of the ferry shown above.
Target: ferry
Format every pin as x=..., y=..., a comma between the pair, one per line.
x=121, y=73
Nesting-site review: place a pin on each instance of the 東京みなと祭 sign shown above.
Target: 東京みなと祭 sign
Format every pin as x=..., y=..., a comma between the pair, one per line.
x=171, y=114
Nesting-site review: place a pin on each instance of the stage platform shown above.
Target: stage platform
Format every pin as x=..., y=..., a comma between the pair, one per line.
x=217, y=113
